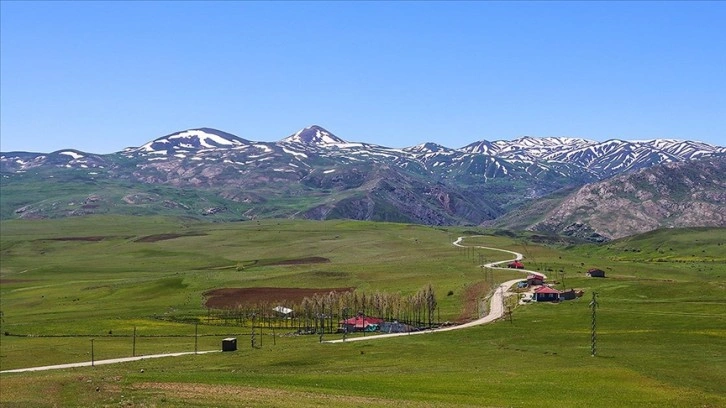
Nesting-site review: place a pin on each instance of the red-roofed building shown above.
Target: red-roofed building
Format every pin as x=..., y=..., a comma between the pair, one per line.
x=535, y=279
x=516, y=265
x=546, y=294
x=360, y=323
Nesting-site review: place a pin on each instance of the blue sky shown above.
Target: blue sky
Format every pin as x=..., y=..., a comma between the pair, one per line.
x=101, y=76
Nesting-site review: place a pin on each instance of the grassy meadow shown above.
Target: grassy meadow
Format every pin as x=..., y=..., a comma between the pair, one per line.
x=661, y=320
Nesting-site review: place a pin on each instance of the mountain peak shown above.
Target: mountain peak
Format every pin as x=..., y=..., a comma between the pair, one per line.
x=193, y=139
x=314, y=135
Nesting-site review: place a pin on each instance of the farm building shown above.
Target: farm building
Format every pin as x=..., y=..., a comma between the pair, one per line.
x=535, y=279
x=360, y=323
x=516, y=265
x=569, y=294
x=596, y=273
x=546, y=294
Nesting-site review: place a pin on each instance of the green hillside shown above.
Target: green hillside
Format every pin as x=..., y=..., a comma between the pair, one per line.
x=71, y=283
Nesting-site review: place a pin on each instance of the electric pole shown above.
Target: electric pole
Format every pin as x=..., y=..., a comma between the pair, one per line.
x=593, y=337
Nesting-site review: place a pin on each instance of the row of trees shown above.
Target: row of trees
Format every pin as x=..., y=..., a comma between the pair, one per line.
x=323, y=312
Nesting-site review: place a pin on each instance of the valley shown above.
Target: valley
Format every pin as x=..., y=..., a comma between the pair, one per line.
x=65, y=282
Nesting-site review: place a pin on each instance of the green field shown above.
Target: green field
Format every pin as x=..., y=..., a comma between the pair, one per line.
x=661, y=321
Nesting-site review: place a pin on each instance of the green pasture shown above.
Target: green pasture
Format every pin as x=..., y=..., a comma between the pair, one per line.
x=661, y=320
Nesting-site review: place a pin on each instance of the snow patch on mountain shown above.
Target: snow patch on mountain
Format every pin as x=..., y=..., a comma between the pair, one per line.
x=314, y=135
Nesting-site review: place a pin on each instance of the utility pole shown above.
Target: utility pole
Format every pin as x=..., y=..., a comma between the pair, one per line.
x=133, y=350
x=593, y=337
x=196, y=337
x=92, y=356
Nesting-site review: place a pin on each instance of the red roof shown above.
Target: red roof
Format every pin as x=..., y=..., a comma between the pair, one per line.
x=546, y=289
x=535, y=276
x=361, y=322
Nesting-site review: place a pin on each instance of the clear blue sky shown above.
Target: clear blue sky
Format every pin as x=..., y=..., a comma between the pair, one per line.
x=101, y=76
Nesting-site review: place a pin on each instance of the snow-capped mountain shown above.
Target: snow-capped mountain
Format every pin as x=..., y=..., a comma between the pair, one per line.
x=314, y=173
x=314, y=135
x=190, y=140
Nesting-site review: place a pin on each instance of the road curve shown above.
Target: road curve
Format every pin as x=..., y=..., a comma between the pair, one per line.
x=496, y=304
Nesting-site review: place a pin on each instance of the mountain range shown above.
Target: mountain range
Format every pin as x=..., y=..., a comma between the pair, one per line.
x=315, y=174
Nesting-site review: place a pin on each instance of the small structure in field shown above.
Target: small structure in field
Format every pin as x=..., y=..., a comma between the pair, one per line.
x=546, y=294
x=229, y=344
x=515, y=265
x=283, y=311
x=596, y=273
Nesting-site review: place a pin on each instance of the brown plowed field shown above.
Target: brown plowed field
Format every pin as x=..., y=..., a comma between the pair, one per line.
x=224, y=298
x=164, y=237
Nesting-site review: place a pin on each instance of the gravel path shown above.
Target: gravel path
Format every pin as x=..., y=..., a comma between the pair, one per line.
x=102, y=362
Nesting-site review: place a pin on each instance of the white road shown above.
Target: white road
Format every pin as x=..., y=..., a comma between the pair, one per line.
x=496, y=304
x=102, y=362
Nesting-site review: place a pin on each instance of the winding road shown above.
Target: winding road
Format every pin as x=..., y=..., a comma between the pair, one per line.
x=496, y=311
x=496, y=304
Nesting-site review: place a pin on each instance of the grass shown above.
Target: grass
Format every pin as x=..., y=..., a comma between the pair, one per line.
x=661, y=325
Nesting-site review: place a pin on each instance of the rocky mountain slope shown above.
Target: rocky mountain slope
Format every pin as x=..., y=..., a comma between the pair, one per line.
x=670, y=195
x=315, y=174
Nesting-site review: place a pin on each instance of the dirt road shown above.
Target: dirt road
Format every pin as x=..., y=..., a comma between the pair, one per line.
x=496, y=304
x=101, y=362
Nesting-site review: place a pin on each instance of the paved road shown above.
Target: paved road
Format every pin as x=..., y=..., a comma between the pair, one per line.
x=496, y=304
x=101, y=362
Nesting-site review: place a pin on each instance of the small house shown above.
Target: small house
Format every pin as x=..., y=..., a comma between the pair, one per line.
x=535, y=279
x=546, y=294
x=516, y=265
x=596, y=273
x=360, y=323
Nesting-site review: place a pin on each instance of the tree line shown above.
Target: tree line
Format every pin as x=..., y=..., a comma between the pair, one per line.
x=322, y=313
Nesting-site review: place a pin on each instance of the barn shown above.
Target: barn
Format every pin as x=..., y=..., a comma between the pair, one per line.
x=596, y=273
x=516, y=265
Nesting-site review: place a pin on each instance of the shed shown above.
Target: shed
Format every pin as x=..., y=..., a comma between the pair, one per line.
x=283, y=311
x=516, y=265
x=596, y=273
x=568, y=294
x=546, y=294
x=229, y=344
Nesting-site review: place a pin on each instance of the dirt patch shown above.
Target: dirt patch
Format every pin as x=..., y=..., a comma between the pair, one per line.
x=224, y=298
x=164, y=237
x=472, y=294
x=6, y=281
x=302, y=261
